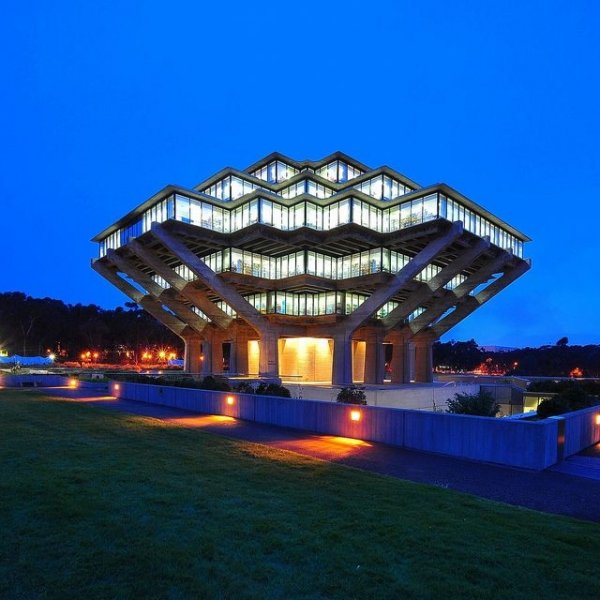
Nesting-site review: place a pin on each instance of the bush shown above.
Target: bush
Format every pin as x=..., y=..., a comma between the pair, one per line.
x=245, y=388
x=572, y=398
x=214, y=384
x=272, y=389
x=352, y=395
x=481, y=404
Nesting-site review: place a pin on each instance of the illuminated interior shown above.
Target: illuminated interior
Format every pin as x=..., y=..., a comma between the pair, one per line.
x=306, y=359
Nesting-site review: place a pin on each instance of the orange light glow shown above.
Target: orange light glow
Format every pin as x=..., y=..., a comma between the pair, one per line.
x=230, y=400
x=116, y=387
x=203, y=421
x=597, y=419
x=73, y=383
x=355, y=415
x=576, y=372
x=162, y=354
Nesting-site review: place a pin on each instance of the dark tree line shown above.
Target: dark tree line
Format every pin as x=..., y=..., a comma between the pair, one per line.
x=32, y=326
x=559, y=360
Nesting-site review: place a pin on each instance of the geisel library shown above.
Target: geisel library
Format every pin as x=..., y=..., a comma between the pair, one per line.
x=320, y=271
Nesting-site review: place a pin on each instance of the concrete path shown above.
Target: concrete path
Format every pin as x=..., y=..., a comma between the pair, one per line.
x=571, y=488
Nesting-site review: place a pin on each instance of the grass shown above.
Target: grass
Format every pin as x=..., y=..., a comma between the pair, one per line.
x=98, y=504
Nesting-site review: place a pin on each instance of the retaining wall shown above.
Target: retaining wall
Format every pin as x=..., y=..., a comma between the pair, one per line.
x=514, y=442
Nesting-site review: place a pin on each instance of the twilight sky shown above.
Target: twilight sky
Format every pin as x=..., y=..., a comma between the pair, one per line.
x=103, y=103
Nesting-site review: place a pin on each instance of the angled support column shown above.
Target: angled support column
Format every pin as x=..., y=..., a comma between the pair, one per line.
x=208, y=277
x=178, y=283
x=342, y=359
x=473, y=302
x=182, y=311
x=440, y=306
x=423, y=294
x=269, y=358
x=374, y=302
x=374, y=356
x=148, y=303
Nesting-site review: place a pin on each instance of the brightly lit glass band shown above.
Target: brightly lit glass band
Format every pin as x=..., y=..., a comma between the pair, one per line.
x=308, y=214
x=303, y=303
x=307, y=262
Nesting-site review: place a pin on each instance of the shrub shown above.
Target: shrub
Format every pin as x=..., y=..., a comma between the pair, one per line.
x=272, y=389
x=245, y=388
x=481, y=404
x=572, y=398
x=352, y=395
x=214, y=384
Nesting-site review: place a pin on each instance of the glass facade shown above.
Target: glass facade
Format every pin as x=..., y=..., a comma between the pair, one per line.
x=314, y=263
x=230, y=188
x=383, y=187
x=338, y=172
x=308, y=214
x=275, y=172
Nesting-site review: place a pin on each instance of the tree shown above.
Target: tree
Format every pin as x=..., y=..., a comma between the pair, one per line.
x=482, y=404
x=564, y=341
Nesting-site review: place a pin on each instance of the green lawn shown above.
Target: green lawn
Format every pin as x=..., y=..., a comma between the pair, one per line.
x=96, y=504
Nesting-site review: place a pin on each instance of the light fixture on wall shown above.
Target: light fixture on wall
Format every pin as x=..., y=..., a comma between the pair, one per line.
x=355, y=415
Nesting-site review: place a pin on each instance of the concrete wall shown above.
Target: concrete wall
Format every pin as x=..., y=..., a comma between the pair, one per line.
x=46, y=380
x=520, y=443
x=33, y=380
x=582, y=429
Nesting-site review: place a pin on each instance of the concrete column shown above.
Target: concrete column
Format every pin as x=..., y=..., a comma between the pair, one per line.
x=374, y=357
x=423, y=358
x=400, y=361
x=217, y=352
x=192, y=354
x=342, y=360
x=269, y=354
x=206, y=358
x=239, y=354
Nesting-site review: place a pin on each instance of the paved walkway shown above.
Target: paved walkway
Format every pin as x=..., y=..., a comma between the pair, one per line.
x=571, y=488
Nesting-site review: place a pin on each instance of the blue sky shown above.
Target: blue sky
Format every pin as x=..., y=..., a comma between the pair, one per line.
x=104, y=103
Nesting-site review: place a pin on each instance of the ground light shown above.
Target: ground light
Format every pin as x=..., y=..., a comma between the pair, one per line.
x=230, y=400
x=355, y=415
x=73, y=383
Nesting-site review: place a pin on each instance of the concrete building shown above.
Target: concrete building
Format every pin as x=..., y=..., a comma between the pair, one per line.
x=324, y=270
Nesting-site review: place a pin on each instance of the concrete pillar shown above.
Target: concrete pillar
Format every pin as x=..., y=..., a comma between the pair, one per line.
x=217, y=352
x=374, y=357
x=423, y=358
x=192, y=354
x=400, y=365
x=342, y=360
x=206, y=367
x=239, y=354
x=269, y=354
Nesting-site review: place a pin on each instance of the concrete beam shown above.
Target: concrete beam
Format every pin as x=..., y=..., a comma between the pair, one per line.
x=422, y=295
x=183, y=312
x=447, y=301
x=148, y=303
x=178, y=283
x=374, y=302
x=472, y=303
x=208, y=277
